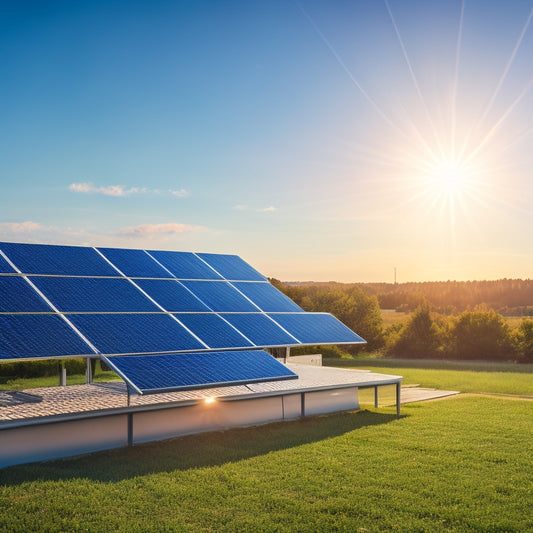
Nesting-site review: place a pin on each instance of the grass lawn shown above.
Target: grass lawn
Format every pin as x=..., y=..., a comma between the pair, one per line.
x=53, y=381
x=498, y=378
x=462, y=464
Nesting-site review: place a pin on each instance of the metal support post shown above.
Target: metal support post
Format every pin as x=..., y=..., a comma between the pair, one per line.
x=130, y=429
x=398, y=395
x=287, y=353
x=63, y=375
x=302, y=405
x=376, y=402
x=88, y=371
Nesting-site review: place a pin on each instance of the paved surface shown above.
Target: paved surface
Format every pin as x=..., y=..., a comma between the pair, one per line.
x=417, y=394
x=113, y=395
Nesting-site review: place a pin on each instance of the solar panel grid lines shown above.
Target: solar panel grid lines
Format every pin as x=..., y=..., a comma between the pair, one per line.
x=6, y=267
x=184, y=265
x=231, y=267
x=31, y=336
x=18, y=295
x=214, y=331
x=220, y=296
x=171, y=295
x=63, y=317
x=260, y=329
x=136, y=333
x=266, y=296
x=135, y=263
x=72, y=294
x=317, y=328
x=53, y=259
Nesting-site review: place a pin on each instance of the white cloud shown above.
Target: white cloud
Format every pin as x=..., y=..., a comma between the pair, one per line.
x=269, y=209
x=179, y=193
x=120, y=190
x=21, y=227
x=149, y=230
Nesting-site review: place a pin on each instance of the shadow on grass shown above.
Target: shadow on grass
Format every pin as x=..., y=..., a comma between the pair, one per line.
x=195, y=451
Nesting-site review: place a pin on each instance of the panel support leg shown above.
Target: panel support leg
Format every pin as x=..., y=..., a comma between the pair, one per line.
x=376, y=401
x=88, y=371
x=130, y=429
x=302, y=407
x=398, y=396
x=63, y=375
x=287, y=354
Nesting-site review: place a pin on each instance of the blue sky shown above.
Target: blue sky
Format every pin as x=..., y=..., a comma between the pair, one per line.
x=318, y=140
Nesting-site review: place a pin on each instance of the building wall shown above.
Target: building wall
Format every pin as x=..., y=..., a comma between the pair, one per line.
x=41, y=442
x=45, y=441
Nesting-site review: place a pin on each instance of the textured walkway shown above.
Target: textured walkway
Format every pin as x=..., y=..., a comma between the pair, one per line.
x=96, y=397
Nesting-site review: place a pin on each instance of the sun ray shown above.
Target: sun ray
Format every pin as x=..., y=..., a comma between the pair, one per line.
x=361, y=89
x=499, y=122
x=498, y=86
x=413, y=77
x=456, y=81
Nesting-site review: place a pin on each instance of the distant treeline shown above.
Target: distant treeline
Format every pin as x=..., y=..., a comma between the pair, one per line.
x=469, y=330
x=505, y=296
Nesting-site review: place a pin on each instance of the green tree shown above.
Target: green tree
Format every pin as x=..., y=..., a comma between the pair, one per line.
x=524, y=340
x=418, y=338
x=481, y=334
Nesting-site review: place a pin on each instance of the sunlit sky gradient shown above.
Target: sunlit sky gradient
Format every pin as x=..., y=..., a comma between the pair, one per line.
x=319, y=140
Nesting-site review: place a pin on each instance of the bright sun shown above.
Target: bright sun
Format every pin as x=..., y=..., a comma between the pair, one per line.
x=448, y=178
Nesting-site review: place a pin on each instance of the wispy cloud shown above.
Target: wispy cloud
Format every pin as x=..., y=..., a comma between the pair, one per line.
x=140, y=235
x=269, y=209
x=179, y=193
x=149, y=230
x=122, y=190
x=21, y=227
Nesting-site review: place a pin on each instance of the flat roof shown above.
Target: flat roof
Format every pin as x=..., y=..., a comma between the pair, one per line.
x=100, y=399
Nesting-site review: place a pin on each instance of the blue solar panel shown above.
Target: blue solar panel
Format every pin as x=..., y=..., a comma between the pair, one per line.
x=171, y=295
x=17, y=296
x=214, y=331
x=232, y=267
x=260, y=329
x=27, y=336
x=267, y=297
x=317, y=328
x=59, y=260
x=5, y=266
x=184, y=265
x=220, y=296
x=135, y=263
x=164, y=373
x=140, y=333
x=89, y=295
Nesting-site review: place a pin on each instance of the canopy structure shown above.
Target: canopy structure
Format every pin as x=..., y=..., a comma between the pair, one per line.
x=127, y=305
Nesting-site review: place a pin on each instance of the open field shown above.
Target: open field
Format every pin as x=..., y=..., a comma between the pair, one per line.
x=53, y=381
x=486, y=377
x=391, y=317
x=461, y=464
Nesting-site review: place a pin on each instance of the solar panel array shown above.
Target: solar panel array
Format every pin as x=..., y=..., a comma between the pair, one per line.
x=121, y=304
x=60, y=301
